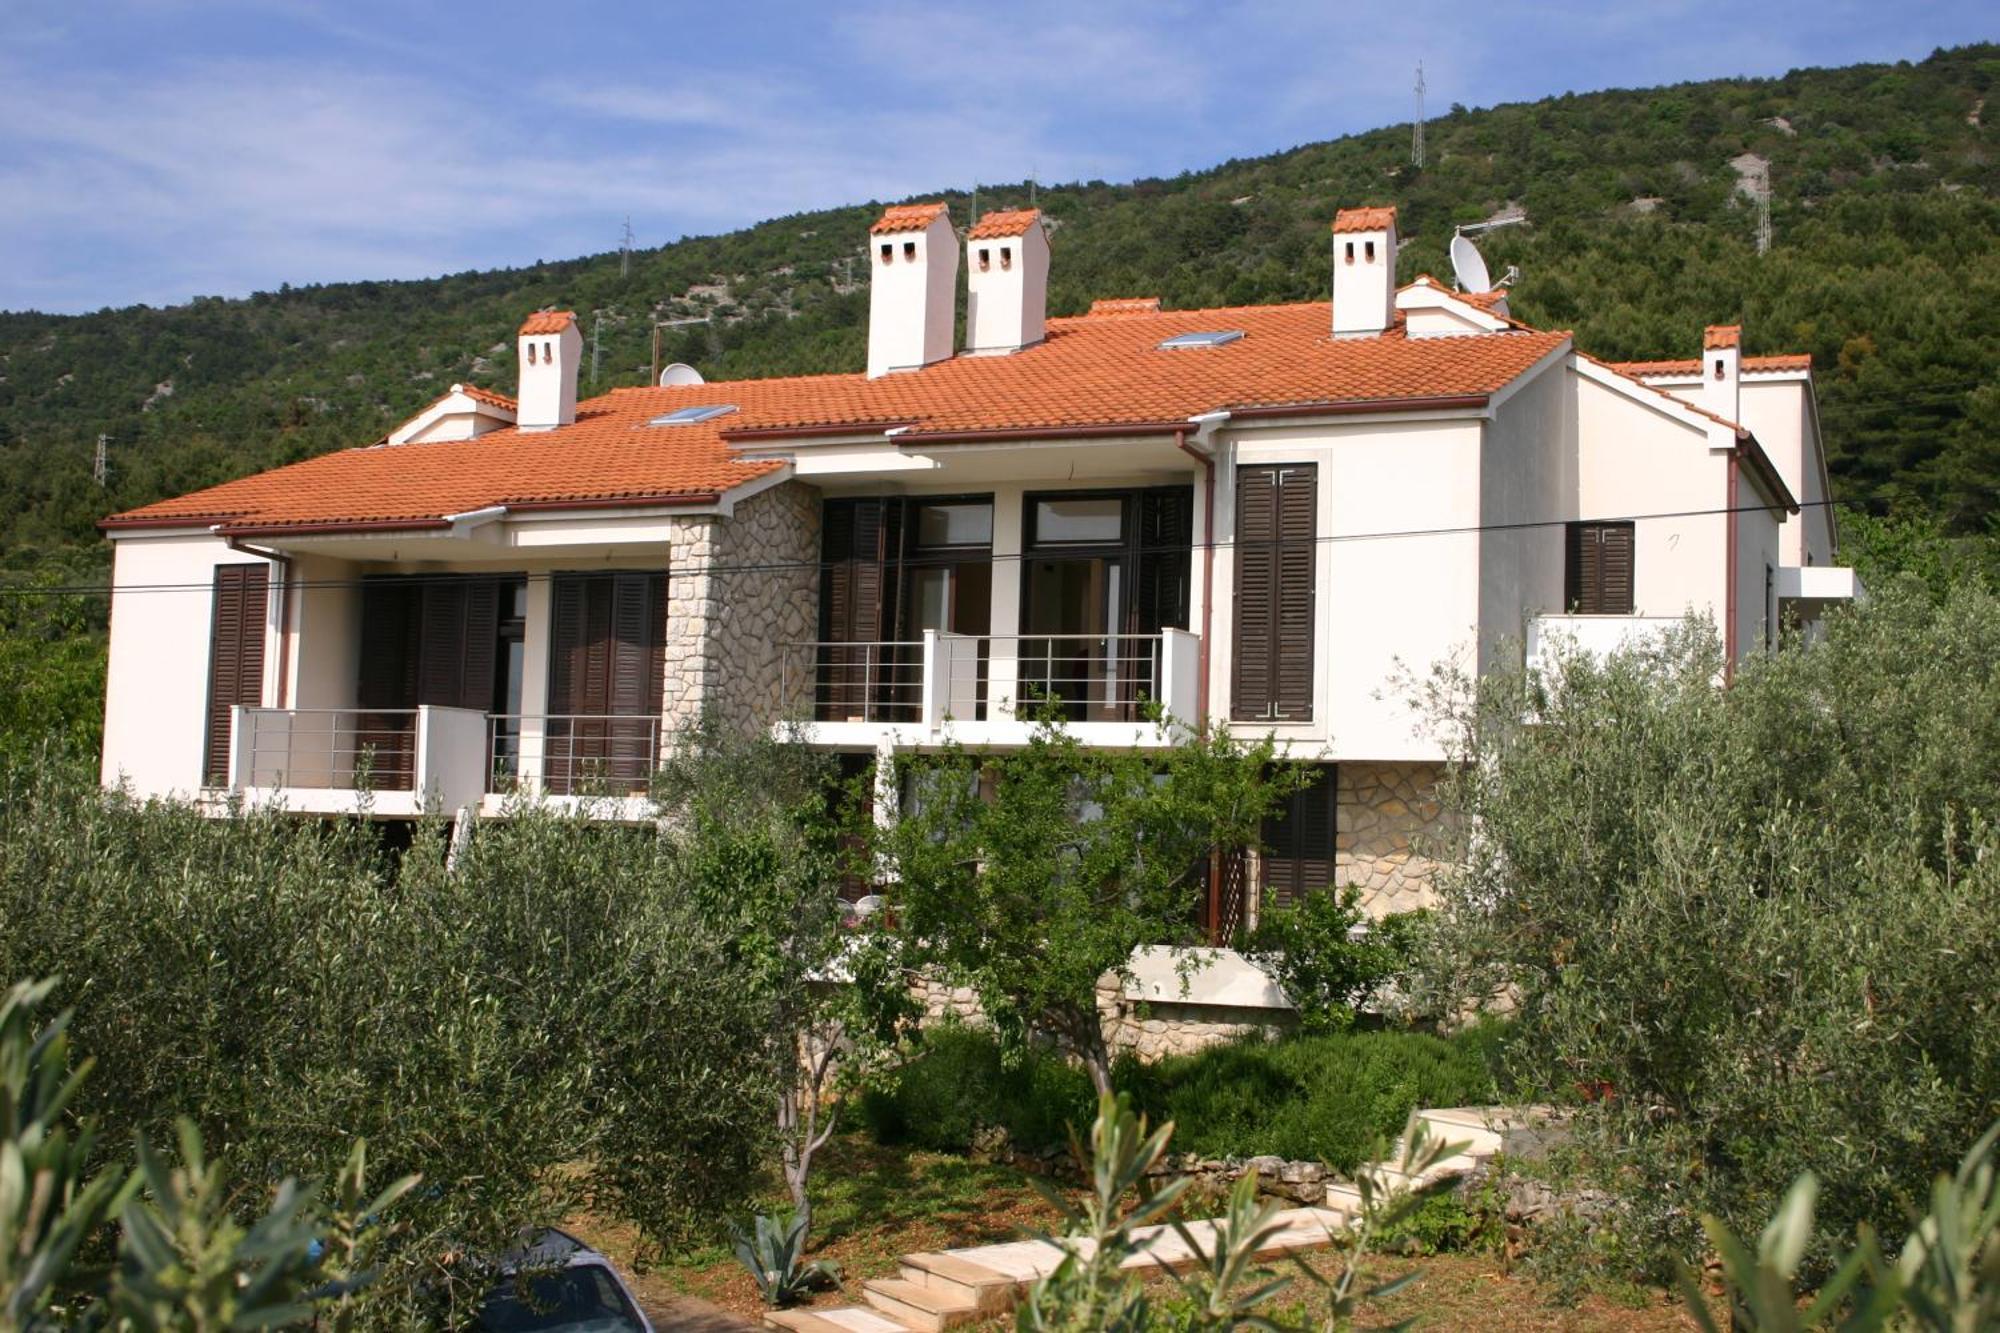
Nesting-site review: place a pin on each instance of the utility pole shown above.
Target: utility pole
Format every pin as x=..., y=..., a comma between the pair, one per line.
x=625, y=250
x=1417, y=128
x=100, y=465
x=596, y=326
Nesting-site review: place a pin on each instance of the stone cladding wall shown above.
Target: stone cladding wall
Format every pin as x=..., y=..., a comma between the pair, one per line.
x=740, y=590
x=1383, y=809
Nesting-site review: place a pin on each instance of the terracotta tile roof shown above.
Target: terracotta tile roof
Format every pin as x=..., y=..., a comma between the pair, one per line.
x=1364, y=219
x=906, y=217
x=548, y=321
x=1752, y=365
x=479, y=395
x=1721, y=335
x=1012, y=222
x=1124, y=305
x=1090, y=374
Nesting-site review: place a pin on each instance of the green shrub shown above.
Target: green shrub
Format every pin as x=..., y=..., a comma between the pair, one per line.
x=1751, y=931
x=960, y=1085
x=1330, y=957
x=289, y=986
x=1318, y=1097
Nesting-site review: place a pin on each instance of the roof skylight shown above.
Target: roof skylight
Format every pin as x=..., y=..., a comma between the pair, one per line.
x=1213, y=338
x=690, y=416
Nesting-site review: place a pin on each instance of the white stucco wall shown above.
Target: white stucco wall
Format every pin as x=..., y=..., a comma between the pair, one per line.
x=1389, y=605
x=1779, y=414
x=325, y=621
x=1635, y=459
x=156, y=683
x=1758, y=546
x=1527, y=484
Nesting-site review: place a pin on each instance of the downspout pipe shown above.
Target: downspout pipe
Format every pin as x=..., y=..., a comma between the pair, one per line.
x=1729, y=574
x=1203, y=450
x=284, y=564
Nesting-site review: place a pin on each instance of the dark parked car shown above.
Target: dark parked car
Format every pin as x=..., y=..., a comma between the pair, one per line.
x=558, y=1284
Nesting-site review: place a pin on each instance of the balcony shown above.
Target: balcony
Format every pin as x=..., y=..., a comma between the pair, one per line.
x=1598, y=636
x=987, y=690
x=398, y=763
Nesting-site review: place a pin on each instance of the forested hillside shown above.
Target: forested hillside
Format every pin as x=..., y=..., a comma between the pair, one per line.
x=1641, y=228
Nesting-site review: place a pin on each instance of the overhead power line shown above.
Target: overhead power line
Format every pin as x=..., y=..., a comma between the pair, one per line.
x=816, y=566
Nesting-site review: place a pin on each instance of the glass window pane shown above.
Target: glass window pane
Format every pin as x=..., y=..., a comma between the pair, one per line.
x=955, y=525
x=1080, y=519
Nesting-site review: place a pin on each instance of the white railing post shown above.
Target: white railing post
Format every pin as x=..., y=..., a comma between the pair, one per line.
x=932, y=684
x=1179, y=677
x=242, y=747
x=451, y=757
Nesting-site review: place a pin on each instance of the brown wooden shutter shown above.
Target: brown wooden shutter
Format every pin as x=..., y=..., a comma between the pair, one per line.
x=607, y=676
x=389, y=637
x=1165, y=550
x=857, y=602
x=240, y=606
x=1597, y=569
x=1276, y=558
x=1299, y=844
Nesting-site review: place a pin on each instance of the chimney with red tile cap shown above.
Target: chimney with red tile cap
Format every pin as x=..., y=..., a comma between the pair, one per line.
x=1006, y=281
x=551, y=348
x=1364, y=271
x=913, y=291
x=1721, y=370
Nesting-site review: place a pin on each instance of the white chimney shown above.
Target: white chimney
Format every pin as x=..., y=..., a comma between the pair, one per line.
x=1007, y=281
x=551, y=348
x=912, y=298
x=1721, y=371
x=1364, y=271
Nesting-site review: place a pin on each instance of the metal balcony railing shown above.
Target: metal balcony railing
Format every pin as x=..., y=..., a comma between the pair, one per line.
x=336, y=749
x=572, y=754
x=856, y=682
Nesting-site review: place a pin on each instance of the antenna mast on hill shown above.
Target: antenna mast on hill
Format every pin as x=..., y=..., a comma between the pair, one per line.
x=100, y=465
x=1417, y=127
x=625, y=250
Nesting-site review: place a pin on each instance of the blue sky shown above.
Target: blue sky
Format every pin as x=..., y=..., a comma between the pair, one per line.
x=153, y=150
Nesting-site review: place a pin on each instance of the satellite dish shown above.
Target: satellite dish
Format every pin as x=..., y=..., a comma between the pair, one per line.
x=1468, y=267
x=680, y=372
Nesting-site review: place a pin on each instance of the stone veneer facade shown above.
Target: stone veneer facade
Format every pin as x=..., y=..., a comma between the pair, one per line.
x=728, y=633
x=1381, y=811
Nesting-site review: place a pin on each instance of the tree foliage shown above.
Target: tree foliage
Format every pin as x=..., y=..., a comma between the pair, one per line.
x=548, y=1021
x=1754, y=927
x=1027, y=876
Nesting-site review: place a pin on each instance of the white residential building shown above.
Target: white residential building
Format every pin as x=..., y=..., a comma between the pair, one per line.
x=1260, y=515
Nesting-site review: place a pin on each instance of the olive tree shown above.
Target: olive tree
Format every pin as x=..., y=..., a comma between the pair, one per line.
x=1757, y=925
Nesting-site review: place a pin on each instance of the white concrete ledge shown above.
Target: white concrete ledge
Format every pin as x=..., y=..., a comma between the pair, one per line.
x=1225, y=979
x=1818, y=583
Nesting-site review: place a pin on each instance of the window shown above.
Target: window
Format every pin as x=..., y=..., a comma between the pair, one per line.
x=1211, y=338
x=1277, y=556
x=240, y=606
x=1298, y=856
x=1079, y=520
x=985, y=259
x=909, y=249
x=1006, y=256
x=888, y=252
x=1597, y=569
x=960, y=523
x=689, y=416
x=1370, y=247
x=1350, y=252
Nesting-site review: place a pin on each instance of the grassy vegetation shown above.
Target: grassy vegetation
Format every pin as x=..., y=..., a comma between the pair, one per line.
x=1322, y=1097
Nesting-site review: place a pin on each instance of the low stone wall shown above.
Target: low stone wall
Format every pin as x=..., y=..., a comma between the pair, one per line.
x=1151, y=1029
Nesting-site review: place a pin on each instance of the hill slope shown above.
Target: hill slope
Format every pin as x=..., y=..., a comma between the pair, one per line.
x=1884, y=265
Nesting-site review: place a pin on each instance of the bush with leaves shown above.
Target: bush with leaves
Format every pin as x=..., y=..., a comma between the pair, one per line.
x=552, y=1000
x=1330, y=957
x=1027, y=876
x=1747, y=929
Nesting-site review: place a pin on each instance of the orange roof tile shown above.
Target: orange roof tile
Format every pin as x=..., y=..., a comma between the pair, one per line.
x=906, y=217
x=1124, y=305
x=1721, y=335
x=1089, y=375
x=1364, y=219
x=479, y=395
x=1752, y=365
x=548, y=321
x=1008, y=222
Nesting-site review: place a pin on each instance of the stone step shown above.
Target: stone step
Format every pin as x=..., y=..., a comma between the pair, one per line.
x=990, y=1290
x=1020, y=1260
x=839, y=1319
x=1302, y=1229
x=918, y=1307
x=1467, y=1125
